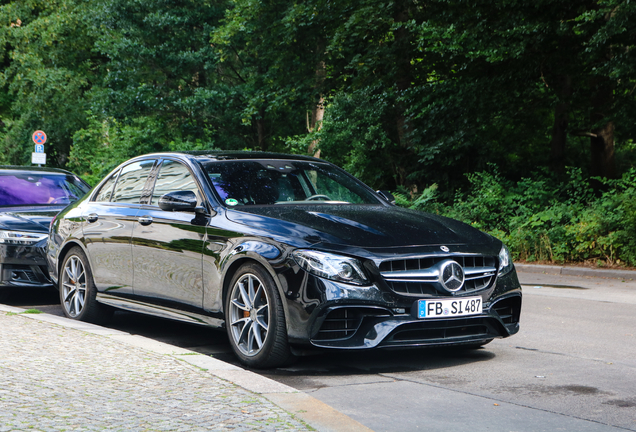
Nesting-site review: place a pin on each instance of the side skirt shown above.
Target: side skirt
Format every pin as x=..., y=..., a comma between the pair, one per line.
x=159, y=311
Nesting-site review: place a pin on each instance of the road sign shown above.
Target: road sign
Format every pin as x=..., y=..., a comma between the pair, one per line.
x=39, y=148
x=38, y=158
x=39, y=137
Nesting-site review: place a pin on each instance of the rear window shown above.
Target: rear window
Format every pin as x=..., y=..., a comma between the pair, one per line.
x=39, y=189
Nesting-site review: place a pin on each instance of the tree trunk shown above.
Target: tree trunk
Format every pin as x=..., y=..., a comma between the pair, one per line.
x=602, y=152
x=403, y=80
x=403, y=76
x=560, y=127
x=318, y=110
x=260, y=130
x=602, y=139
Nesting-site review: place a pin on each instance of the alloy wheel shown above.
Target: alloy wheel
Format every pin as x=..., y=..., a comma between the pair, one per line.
x=73, y=286
x=249, y=314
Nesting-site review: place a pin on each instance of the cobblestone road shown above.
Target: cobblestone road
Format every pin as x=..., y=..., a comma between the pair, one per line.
x=54, y=378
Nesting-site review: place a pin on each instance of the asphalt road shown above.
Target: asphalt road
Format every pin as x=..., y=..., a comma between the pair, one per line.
x=572, y=367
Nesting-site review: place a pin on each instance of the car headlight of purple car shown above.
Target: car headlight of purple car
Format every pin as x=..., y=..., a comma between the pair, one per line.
x=20, y=237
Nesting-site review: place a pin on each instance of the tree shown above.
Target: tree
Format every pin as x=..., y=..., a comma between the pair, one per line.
x=161, y=88
x=273, y=55
x=47, y=68
x=578, y=53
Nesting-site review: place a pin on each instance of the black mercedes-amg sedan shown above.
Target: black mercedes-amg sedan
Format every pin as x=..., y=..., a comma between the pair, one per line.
x=286, y=252
x=29, y=198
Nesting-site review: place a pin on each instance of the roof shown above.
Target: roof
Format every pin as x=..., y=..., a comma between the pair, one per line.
x=237, y=155
x=34, y=169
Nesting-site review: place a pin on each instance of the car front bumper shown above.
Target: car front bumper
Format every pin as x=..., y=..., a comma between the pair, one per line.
x=24, y=266
x=359, y=327
x=328, y=314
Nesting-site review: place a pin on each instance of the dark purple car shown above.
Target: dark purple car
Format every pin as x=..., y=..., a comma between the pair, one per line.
x=29, y=199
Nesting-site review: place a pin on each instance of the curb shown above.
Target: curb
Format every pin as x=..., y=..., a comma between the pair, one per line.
x=312, y=411
x=576, y=271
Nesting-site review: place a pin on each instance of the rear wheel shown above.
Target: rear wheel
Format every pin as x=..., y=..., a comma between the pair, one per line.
x=255, y=319
x=78, y=292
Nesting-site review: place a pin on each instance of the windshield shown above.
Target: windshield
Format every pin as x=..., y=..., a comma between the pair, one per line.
x=39, y=189
x=285, y=182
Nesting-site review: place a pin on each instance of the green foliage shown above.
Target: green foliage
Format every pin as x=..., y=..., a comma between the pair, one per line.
x=415, y=93
x=47, y=68
x=105, y=143
x=542, y=220
x=353, y=136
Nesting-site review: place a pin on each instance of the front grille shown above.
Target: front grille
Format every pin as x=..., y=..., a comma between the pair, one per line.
x=412, y=288
x=441, y=331
x=418, y=276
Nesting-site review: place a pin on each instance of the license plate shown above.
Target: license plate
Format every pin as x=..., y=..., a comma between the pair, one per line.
x=449, y=307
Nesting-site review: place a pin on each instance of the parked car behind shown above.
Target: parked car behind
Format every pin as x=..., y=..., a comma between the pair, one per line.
x=286, y=252
x=29, y=198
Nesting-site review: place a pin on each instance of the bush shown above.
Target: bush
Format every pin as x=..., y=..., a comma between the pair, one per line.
x=542, y=220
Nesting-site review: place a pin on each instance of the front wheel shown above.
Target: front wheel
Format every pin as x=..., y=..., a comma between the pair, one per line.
x=255, y=319
x=78, y=292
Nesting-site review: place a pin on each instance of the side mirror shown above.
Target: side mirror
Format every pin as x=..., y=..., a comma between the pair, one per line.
x=178, y=201
x=387, y=196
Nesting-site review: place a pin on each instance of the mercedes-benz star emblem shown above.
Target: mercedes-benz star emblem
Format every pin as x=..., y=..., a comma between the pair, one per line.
x=451, y=276
x=444, y=248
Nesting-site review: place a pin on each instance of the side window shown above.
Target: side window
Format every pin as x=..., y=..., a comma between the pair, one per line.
x=131, y=182
x=173, y=176
x=106, y=190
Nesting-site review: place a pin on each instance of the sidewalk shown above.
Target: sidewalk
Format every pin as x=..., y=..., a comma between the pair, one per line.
x=59, y=374
x=576, y=271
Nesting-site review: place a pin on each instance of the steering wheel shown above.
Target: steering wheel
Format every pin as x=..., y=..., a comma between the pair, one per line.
x=317, y=197
x=60, y=200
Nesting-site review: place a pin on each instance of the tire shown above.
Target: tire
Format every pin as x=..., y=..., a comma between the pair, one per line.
x=255, y=319
x=78, y=292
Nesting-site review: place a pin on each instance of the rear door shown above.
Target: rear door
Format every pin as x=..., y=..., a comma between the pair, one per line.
x=108, y=227
x=167, y=246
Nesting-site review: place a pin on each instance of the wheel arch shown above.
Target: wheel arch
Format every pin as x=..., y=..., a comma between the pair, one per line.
x=62, y=254
x=234, y=265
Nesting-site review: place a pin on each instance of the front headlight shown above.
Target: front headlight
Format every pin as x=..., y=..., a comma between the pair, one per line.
x=331, y=266
x=20, y=237
x=505, y=261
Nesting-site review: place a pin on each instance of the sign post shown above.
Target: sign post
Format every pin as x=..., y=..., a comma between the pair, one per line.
x=38, y=156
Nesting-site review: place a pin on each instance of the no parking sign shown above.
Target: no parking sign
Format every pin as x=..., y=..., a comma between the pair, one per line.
x=39, y=137
x=38, y=156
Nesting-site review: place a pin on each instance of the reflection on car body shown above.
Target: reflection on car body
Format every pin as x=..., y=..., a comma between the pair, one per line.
x=286, y=252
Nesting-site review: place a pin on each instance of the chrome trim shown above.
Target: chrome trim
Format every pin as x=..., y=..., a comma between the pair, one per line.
x=432, y=274
x=477, y=278
x=423, y=275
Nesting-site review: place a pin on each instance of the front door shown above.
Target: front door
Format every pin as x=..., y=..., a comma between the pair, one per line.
x=167, y=246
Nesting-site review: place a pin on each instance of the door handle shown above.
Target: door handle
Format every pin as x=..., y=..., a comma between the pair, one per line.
x=92, y=217
x=145, y=220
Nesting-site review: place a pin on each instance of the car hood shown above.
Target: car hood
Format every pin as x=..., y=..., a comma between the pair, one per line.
x=364, y=226
x=31, y=219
